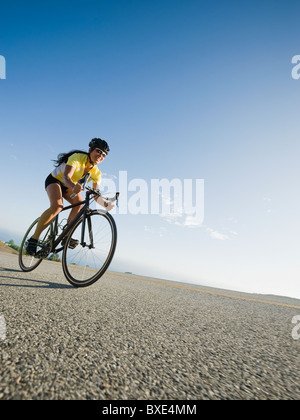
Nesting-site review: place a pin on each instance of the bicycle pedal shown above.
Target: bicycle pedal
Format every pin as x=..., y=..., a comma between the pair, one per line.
x=72, y=244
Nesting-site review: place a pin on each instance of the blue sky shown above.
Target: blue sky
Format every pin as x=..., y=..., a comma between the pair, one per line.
x=179, y=89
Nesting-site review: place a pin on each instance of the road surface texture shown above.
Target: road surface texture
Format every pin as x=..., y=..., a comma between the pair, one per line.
x=130, y=337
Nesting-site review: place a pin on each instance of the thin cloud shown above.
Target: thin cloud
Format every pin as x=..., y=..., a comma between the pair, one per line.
x=217, y=235
x=182, y=220
x=179, y=217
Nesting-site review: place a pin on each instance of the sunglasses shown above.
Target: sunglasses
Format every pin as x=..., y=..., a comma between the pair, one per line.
x=101, y=152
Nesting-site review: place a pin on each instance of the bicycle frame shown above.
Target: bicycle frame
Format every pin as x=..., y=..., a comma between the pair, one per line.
x=83, y=212
x=52, y=238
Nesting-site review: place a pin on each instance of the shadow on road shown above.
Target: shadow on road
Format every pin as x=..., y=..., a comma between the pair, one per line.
x=38, y=283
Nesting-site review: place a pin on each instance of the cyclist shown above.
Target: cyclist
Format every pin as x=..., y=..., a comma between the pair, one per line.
x=65, y=182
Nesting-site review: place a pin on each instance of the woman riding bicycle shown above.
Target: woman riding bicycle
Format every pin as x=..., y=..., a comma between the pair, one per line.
x=65, y=182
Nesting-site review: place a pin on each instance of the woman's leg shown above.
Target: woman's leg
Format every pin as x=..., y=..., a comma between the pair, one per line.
x=74, y=200
x=75, y=210
x=56, y=205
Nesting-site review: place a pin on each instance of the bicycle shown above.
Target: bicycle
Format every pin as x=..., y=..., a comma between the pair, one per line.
x=96, y=232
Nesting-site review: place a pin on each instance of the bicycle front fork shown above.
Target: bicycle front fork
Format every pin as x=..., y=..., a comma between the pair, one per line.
x=87, y=219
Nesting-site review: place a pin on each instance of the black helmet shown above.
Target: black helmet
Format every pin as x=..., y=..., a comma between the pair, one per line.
x=99, y=143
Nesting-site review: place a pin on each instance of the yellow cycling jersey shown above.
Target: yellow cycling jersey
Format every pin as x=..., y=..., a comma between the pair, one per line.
x=79, y=161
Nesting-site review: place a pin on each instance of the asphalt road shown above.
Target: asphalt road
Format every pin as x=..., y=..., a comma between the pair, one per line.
x=130, y=337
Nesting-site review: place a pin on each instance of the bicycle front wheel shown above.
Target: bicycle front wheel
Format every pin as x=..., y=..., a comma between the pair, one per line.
x=89, y=260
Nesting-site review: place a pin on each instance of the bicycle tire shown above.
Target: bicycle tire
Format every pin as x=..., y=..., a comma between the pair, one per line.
x=23, y=256
x=90, y=263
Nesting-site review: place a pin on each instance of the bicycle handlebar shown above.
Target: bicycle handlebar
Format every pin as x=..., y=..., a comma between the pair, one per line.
x=97, y=192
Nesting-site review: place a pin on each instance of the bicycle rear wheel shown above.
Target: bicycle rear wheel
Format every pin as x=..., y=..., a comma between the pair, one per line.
x=89, y=260
x=29, y=262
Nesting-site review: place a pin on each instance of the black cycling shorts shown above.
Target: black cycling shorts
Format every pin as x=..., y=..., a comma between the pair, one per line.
x=51, y=180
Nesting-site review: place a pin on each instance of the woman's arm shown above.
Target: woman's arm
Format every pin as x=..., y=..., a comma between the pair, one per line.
x=67, y=180
x=109, y=206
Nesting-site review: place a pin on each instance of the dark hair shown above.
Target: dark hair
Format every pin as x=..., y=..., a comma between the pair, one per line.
x=63, y=157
